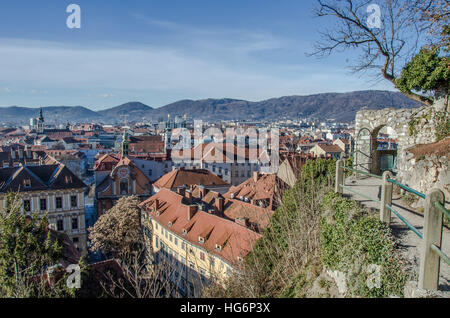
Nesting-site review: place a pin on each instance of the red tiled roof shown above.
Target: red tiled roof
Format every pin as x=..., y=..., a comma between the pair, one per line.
x=236, y=240
x=179, y=177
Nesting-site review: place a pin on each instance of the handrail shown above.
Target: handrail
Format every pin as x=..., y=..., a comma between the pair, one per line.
x=407, y=188
x=359, y=193
x=412, y=228
x=363, y=172
x=439, y=252
x=431, y=253
x=443, y=209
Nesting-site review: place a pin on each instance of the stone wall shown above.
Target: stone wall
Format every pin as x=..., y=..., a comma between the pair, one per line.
x=413, y=127
x=427, y=172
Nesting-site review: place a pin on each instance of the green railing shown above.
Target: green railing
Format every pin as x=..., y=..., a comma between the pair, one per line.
x=435, y=210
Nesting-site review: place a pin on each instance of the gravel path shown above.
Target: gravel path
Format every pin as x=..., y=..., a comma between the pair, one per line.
x=409, y=242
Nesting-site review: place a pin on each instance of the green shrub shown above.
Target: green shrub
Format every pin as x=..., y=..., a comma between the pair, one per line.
x=351, y=241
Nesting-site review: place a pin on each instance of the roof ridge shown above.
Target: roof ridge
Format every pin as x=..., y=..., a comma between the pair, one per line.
x=35, y=176
x=12, y=177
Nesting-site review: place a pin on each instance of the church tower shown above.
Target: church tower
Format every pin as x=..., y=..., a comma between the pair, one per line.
x=40, y=123
x=125, y=143
x=168, y=135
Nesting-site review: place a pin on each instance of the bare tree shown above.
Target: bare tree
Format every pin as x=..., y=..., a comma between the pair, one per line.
x=386, y=38
x=142, y=278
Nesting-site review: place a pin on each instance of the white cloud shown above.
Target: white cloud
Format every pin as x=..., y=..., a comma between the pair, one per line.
x=210, y=67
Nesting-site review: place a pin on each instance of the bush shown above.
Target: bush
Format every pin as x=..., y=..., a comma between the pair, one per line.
x=352, y=241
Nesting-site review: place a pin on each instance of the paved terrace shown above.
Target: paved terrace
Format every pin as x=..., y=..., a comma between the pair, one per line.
x=409, y=242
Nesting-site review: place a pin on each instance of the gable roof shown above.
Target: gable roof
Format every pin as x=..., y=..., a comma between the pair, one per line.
x=179, y=177
x=41, y=178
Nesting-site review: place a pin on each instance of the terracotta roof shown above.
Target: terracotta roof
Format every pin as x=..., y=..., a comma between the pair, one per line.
x=330, y=148
x=180, y=177
x=235, y=240
x=263, y=188
x=146, y=144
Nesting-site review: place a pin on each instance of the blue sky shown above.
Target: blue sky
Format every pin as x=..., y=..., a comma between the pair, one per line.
x=158, y=52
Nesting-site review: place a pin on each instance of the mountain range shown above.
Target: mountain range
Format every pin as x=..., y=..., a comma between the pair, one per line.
x=338, y=106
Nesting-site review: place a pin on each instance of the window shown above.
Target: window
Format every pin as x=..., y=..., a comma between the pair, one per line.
x=156, y=225
x=75, y=240
x=59, y=202
x=27, y=205
x=156, y=242
x=203, y=275
x=183, y=245
x=150, y=172
x=176, y=241
x=73, y=201
x=124, y=187
x=27, y=183
x=170, y=237
x=74, y=223
x=43, y=204
x=202, y=256
x=60, y=225
x=212, y=261
x=191, y=265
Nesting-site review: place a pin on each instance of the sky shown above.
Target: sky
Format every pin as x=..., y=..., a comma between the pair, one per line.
x=159, y=52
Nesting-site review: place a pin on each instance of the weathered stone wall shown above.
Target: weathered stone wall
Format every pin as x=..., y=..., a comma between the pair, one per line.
x=414, y=127
x=427, y=172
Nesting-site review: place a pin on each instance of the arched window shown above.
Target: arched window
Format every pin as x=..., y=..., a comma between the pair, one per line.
x=123, y=186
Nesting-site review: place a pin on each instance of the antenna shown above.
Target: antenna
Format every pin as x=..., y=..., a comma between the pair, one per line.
x=126, y=119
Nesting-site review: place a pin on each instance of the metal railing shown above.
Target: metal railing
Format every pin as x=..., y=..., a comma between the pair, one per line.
x=431, y=252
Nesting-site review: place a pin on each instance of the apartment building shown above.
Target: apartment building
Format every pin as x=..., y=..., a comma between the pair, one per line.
x=193, y=236
x=51, y=189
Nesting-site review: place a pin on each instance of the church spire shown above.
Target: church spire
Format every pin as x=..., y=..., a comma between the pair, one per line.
x=124, y=144
x=41, y=116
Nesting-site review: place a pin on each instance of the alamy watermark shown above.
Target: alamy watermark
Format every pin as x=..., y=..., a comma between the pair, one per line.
x=374, y=18
x=234, y=145
x=74, y=19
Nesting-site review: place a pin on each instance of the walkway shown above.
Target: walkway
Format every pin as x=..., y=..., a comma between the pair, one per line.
x=409, y=242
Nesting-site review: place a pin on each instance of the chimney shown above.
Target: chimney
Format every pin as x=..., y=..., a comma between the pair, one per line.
x=189, y=196
x=255, y=176
x=181, y=190
x=242, y=221
x=203, y=191
x=218, y=204
x=191, y=210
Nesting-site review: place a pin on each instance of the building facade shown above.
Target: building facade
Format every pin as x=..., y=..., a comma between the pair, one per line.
x=51, y=189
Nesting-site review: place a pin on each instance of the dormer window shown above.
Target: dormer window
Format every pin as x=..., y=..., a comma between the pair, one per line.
x=201, y=239
x=158, y=213
x=27, y=183
x=184, y=232
x=218, y=247
x=68, y=179
x=239, y=259
x=170, y=224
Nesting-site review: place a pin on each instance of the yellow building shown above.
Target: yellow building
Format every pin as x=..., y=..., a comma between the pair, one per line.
x=194, y=239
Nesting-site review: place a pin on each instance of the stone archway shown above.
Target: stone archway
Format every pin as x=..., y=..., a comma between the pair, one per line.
x=399, y=121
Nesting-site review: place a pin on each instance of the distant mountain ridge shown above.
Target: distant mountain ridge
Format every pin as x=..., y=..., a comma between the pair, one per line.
x=338, y=106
